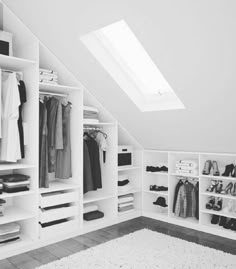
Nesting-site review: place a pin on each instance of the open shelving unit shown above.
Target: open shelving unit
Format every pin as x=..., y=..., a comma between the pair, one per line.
x=26, y=207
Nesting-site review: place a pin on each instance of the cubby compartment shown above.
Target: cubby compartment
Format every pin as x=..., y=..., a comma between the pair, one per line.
x=155, y=210
x=153, y=179
x=156, y=159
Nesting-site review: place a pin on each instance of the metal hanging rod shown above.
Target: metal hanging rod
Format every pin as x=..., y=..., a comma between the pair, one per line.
x=54, y=94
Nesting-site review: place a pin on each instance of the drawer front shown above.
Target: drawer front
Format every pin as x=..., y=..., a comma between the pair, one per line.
x=58, y=229
x=58, y=213
x=62, y=198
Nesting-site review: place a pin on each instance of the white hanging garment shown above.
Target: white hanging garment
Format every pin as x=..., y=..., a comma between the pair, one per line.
x=10, y=142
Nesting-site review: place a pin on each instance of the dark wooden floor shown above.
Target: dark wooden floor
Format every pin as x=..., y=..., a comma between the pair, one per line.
x=53, y=252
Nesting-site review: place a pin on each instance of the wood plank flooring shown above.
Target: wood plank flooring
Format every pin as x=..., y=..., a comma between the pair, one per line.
x=59, y=250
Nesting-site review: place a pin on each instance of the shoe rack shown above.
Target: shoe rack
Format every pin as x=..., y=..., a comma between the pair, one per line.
x=225, y=203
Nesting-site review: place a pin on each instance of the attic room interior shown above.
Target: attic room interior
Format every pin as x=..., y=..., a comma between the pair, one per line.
x=120, y=117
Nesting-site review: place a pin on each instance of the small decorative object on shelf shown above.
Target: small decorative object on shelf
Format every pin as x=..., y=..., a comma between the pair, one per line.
x=161, y=201
x=6, y=43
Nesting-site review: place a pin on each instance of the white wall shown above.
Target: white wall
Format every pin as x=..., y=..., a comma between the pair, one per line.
x=192, y=42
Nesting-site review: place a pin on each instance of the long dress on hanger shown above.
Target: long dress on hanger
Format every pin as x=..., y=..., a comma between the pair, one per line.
x=10, y=143
x=23, y=99
x=63, y=156
x=43, y=145
x=88, y=184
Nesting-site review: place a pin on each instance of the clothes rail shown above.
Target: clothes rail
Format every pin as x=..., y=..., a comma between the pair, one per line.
x=53, y=94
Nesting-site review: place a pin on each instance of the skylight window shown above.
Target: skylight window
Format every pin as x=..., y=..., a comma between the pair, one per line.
x=124, y=58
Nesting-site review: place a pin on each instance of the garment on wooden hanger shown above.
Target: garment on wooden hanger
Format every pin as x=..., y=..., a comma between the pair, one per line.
x=63, y=156
x=10, y=143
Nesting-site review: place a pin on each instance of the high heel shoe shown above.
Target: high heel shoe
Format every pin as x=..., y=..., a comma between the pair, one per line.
x=213, y=186
x=219, y=187
x=228, y=170
x=233, y=192
x=210, y=203
x=215, y=168
x=218, y=204
x=227, y=189
x=207, y=167
x=234, y=172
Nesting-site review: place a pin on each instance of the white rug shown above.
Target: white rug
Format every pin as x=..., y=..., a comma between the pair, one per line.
x=146, y=249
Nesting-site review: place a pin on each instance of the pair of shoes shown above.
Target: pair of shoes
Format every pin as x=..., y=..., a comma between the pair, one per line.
x=156, y=169
x=230, y=224
x=214, y=203
x=229, y=189
x=157, y=188
x=230, y=170
x=211, y=165
x=222, y=221
x=216, y=185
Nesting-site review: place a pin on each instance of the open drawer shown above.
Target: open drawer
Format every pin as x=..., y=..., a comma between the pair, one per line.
x=60, y=229
x=57, y=213
x=57, y=198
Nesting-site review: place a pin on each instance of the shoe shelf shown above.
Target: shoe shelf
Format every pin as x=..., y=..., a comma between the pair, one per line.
x=57, y=88
x=160, y=193
x=219, y=213
x=128, y=168
x=218, y=177
x=98, y=195
x=130, y=191
x=183, y=175
x=5, y=195
x=156, y=173
x=224, y=196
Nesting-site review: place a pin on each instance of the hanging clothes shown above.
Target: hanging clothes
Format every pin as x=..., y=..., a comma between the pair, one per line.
x=52, y=107
x=94, y=161
x=10, y=143
x=88, y=184
x=196, y=189
x=177, y=187
x=102, y=144
x=23, y=99
x=43, y=145
x=63, y=156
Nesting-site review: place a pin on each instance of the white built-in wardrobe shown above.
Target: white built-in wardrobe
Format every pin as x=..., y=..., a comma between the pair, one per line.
x=25, y=207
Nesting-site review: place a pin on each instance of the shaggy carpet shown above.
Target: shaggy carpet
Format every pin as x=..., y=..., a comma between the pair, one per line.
x=146, y=249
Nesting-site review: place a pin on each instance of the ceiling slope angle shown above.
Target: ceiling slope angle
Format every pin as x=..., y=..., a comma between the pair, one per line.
x=118, y=50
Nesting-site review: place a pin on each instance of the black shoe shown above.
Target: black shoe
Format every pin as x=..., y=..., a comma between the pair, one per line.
x=211, y=203
x=229, y=224
x=215, y=219
x=223, y=221
x=228, y=170
x=164, y=169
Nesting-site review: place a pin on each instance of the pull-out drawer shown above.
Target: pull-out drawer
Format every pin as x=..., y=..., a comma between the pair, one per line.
x=57, y=198
x=55, y=230
x=57, y=213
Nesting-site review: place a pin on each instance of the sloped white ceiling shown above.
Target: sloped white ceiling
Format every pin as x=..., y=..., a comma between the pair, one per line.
x=192, y=42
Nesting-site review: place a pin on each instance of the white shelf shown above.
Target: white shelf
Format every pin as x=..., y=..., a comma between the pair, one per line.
x=183, y=175
x=227, y=196
x=219, y=213
x=11, y=246
x=98, y=195
x=12, y=166
x=128, y=168
x=16, y=194
x=58, y=186
x=14, y=63
x=130, y=191
x=96, y=223
x=100, y=124
x=14, y=214
x=159, y=193
x=57, y=88
x=218, y=177
x=189, y=220
x=157, y=173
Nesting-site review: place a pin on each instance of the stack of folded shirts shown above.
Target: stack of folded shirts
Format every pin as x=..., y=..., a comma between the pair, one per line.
x=91, y=212
x=2, y=202
x=123, y=184
x=15, y=183
x=48, y=76
x=90, y=115
x=9, y=232
x=187, y=167
x=125, y=202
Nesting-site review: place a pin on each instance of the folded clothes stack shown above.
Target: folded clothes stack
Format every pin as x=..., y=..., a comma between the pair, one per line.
x=9, y=232
x=187, y=167
x=48, y=76
x=91, y=212
x=123, y=184
x=125, y=202
x=2, y=202
x=90, y=115
x=15, y=182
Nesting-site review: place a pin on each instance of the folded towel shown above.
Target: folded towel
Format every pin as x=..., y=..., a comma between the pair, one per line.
x=125, y=204
x=188, y=162
x=14, y=178
x=126, y=199
x=187, y=172
x=46, y=71
x=9, y=228
x=90, y=208
x=186, y=166
x=126, y=208
x=90, y=121
x=89, y=108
